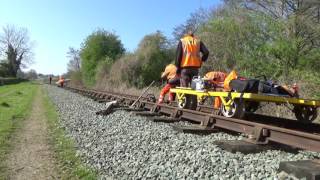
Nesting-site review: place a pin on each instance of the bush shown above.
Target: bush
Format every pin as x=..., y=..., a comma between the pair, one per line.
x=102, y=70
x=140, y=68
x=76, y=78
x=152, y=55
x=7, y=81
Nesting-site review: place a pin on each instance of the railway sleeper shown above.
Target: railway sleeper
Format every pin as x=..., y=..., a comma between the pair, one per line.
x=241, y=146
x=259, y=135
x=109, y=108
x=128, y=109
x=147, y=113
x=164, y=119
x=102, y=101
x=194, y=129
x=98, y=99
x=307, y=169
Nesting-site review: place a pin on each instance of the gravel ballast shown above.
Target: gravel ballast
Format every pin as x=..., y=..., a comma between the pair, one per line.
x=124, y=146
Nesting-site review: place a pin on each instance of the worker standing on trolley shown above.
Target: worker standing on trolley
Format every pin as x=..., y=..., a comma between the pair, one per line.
x=173, y=80
x=188, y=60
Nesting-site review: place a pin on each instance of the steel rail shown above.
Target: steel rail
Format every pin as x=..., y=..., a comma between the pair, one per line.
x=259, y=133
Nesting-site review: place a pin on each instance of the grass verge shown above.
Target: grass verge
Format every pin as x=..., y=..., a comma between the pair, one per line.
x=69, y=162
x=15, y=105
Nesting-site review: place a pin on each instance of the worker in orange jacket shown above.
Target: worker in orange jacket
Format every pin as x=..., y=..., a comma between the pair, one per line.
x=216, y=79
x=169, y=74
x=60, y=83
x=188, y=59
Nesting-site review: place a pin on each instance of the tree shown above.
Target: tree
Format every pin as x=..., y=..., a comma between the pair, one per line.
x=4, y=68
x=195, y=20
x=74, y=66
x=74, y=60
x=97, y=47
x=262, y=37
x=31, y=74
x=16, y=47
x=147, y=62
x=283, y=9
x=300, y=33
x=233, y=41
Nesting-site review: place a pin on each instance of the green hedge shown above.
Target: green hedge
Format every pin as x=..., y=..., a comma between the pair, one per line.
x=6, y=81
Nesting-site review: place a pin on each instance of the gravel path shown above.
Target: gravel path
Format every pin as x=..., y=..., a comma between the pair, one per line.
x=124, y=146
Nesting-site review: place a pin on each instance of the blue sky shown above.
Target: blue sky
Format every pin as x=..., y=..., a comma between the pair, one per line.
x=55, y=25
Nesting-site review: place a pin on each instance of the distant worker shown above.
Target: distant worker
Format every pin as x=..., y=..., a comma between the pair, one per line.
x=60, y=83
x=50, y=79
x=188, y=59
x=173, y=80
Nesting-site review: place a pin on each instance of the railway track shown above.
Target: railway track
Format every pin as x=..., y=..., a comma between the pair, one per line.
x=258, y=128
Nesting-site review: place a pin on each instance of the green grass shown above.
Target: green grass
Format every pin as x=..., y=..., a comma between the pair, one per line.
x=71, y=165
x=15, y=105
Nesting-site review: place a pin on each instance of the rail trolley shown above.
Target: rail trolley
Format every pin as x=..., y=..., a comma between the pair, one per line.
x=236, y=105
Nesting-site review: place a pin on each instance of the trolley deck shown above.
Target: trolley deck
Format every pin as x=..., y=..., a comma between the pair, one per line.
x=232, y=106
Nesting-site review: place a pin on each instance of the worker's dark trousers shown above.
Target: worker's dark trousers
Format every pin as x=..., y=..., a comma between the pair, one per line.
x=186, y=76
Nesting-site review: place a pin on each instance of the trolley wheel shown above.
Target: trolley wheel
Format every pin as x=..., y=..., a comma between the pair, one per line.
x=237, y=110
x=305, y=114
x=188, y=102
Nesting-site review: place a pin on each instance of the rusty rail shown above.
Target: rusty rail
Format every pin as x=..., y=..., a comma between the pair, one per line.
x=258, y=133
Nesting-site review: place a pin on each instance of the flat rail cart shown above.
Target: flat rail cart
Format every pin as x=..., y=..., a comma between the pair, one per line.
x=236, y=104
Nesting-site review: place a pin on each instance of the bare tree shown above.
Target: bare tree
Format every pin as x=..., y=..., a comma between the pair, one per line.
x=301, y=17
x=74, y=59
x=32, y=74
x=284, y=8
x=15, y=48
x=195, y=21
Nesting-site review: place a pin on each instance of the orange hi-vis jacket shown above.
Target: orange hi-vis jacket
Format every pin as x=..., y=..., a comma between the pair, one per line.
x=169, y=72
x=231, y=76
x=191, y=52
x=216, y=77
x=61, y=79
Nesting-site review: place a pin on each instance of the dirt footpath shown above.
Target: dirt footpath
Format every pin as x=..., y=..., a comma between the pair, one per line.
x=31, y=157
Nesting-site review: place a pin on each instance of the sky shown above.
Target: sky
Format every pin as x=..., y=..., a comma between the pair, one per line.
x=56, y=25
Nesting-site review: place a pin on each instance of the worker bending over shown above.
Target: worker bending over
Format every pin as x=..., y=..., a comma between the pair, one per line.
x=220, y=80
x=169, y=74
x=216, y=78
x=60, y=83
x=188, y=60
